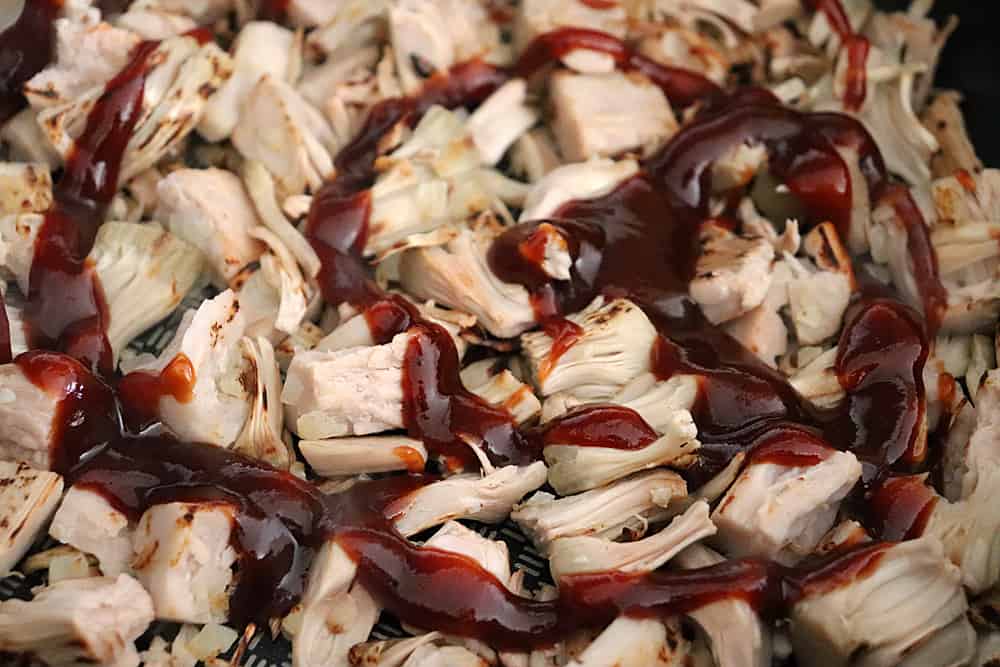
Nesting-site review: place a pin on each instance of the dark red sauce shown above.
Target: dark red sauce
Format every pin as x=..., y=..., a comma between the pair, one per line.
x=639, y=241
x=111, y=7
x=768, y=587
x=516, y=257
x=900, y=507
x=649, y=228
x=273, y=10
x=65, y=309
x=565, y=333
x=682, y=87
x=337, y=224
x=791, y=445
x=140, y=392
x=280, y=521
x=880, y=361
x=6, y=355
x=87, y=414
x=613, y=426
x=923, y=259
x=26, y=47
x=438, y=409
x=857, y=50
x=389, y=316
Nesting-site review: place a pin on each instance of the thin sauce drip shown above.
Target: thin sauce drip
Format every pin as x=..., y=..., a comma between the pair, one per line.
x=682, y=87
x=65, y=309
x=564, y=333
x=26, y=47
x=857, y=48
x=6, y=355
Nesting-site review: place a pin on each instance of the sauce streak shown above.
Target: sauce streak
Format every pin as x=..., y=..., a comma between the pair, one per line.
x=273, y=10
x=6, y=355
x=682, y=87
x=65, y=309
x=856, y=46
x=436, y=407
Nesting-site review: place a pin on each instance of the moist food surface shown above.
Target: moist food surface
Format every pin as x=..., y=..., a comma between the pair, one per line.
x=639, y=241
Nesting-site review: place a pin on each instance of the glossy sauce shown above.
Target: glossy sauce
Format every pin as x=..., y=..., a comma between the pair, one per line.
x=26, y=47
x=900, y=507
x=65, y=309
x=880, y=361
x=6, y=355
x=448, y=418
x=650, y=226
x=141, y=391
x=767, y=587
x=645, y=248
x=280, y=521
x=857, y=48
x=86, y=417
x=682, y=87
x=614, y=426
x=389, y=316
x=436, y=406
x=792, y=446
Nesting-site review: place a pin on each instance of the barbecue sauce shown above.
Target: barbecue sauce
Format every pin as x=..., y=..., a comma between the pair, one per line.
x=65, y=309
x=280, y=522
x=141, y=391
x=273, y=10
x=639, y=241
x=612, y=426
x=6, y=354
x=856, y=46
x=682, y=87
x=900, y=507
x=649, y=229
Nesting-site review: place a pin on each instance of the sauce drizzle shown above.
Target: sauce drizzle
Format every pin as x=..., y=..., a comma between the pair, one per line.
x=639, y=241
x=65, y=309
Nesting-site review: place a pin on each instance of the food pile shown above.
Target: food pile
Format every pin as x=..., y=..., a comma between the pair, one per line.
x=699, y=297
